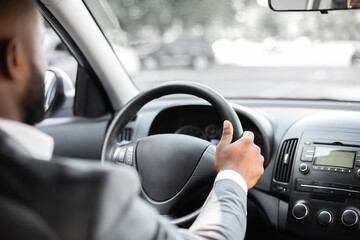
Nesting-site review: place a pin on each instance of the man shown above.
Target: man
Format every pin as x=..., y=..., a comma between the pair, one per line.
x=77, y=200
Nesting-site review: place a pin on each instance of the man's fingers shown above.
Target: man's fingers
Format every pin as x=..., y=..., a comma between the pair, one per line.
x=247, y=138
x=248, y=135
x=227, y=133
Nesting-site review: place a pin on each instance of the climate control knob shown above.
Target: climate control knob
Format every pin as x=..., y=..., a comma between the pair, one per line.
x=324, y=217
x=350, y=218
x=300, y=211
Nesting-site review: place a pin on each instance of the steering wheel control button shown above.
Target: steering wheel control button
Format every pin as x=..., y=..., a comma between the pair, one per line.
x=325, y=217
x=120, y=154
x=304, y=168
x=350, y=218
x=129, y=155
x=300, y=211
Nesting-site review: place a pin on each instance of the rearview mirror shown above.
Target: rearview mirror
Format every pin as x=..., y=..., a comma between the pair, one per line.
x=313, y=5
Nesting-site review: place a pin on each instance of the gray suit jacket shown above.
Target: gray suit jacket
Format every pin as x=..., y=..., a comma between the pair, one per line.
x=76, y=200
x=124, y=215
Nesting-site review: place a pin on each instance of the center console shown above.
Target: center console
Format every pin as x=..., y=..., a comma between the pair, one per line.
x=324, y=185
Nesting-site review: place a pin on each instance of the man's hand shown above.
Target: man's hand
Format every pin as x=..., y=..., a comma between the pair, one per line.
x=242, y=156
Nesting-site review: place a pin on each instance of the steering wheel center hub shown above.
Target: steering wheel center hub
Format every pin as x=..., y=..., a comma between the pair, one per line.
x=166, y=162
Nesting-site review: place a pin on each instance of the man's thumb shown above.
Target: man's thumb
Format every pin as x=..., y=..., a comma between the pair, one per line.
x=227, y=133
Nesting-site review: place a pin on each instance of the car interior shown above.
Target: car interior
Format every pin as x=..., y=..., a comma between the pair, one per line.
x=303, y=109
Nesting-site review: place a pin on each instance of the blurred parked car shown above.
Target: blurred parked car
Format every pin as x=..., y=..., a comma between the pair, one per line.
x=355, y=58
x=195, y=53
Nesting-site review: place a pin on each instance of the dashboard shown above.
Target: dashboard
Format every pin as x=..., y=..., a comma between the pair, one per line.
x=300, y=195
x=311, y=184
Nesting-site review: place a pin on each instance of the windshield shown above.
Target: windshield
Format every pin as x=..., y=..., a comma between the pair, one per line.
x=240, y=48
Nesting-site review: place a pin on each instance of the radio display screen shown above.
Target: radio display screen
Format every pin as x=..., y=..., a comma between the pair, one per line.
x=335, y=158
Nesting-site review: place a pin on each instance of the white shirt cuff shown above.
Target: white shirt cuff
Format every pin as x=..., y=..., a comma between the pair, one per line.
x=232, y=175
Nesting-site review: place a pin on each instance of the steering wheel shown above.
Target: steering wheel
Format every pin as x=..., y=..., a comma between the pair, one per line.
x=171, y=166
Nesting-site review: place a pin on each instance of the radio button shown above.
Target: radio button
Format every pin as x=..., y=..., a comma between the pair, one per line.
x=307, y=154
x=304, y=168
x=306, y=157
x=310, y=150
x=325, y=217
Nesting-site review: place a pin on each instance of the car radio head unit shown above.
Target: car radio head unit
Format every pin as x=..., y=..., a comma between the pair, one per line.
x=326, y=156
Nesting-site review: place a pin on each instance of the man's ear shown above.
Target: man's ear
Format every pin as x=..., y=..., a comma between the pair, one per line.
x=15, y=64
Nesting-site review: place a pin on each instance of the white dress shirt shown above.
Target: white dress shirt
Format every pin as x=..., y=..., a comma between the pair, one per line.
x=234, y=176
x=38, y=144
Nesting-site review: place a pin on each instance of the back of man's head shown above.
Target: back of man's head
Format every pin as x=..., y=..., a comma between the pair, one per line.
x=14, y=15
x=21, y=62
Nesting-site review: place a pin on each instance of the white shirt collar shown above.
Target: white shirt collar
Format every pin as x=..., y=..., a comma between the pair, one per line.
x=38, y=144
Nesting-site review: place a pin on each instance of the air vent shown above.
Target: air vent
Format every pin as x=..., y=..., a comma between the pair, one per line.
x=125, y=135
x=285, y=160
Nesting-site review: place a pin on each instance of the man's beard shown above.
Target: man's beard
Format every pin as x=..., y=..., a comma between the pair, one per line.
x=33, y=101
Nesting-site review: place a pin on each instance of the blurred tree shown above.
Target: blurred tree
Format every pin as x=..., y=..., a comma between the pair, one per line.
x=332, y=26
x=163, y=14
x=231, y=19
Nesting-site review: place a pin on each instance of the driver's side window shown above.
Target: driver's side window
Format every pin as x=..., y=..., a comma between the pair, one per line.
x=60, y=77
x=57, y=55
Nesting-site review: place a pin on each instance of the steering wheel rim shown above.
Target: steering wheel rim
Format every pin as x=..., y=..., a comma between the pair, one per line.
x=120, y=120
